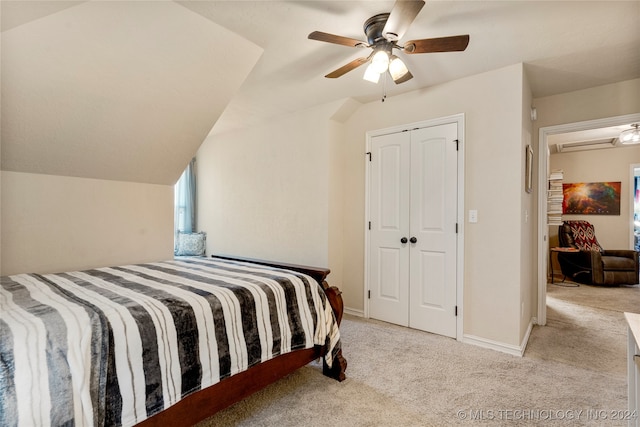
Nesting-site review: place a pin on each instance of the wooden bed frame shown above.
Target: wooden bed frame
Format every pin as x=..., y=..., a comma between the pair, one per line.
x=205, y=403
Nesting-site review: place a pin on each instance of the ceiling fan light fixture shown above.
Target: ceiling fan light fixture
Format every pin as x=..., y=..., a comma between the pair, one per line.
x=380, y=61
x=630, y=136
x=383, y=32
x=371, y=75
x=397, y=68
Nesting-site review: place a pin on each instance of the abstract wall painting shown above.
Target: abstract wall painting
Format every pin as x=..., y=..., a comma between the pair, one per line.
x=591, y=198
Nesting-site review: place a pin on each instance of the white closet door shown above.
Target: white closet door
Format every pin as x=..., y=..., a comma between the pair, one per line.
x=412, y=240
x=389, y=216
x=433, y=209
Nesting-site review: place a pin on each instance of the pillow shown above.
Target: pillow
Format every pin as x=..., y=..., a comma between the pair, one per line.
x=584, y=236
x=191, y=244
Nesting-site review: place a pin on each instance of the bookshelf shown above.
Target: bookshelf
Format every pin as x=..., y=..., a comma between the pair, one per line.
x=554, y=197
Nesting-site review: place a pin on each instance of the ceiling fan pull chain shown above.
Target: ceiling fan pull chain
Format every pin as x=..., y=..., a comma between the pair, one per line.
x=384, y=87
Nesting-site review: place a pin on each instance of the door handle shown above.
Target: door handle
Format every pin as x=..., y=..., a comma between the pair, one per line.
x=413, y=240
x=403, y=240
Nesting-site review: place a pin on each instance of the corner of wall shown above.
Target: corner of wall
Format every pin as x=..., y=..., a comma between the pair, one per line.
x=347, y=107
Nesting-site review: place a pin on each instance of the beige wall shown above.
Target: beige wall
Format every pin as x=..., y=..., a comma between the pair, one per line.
x=613, y=231
x=294, y=189
x=611, y=100
x=114, y=90
x=55, y=223
x=600, y=102
x=263, y=192
x=528, y=254
x=494, y=174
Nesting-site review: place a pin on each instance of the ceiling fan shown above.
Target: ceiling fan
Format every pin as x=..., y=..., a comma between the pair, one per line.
x=383, y=32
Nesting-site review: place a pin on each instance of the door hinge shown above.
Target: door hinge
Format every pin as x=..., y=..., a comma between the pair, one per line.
x=369, y=225
x=456, y=311
x=456, y=228
x=457, y=144
x=369, y=294
x=368, y=153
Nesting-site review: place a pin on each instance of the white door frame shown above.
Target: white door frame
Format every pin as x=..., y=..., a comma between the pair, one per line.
x=632, y=169
x=459, y=120
x=543, y=161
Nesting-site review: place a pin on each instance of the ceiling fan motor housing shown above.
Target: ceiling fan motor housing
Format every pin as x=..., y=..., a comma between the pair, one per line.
x=373, y=28
x=383, y=32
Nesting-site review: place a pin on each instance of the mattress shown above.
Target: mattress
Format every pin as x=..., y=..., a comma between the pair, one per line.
x=114, y=346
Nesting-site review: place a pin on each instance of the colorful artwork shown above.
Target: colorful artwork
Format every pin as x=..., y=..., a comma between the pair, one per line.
x=591, y=198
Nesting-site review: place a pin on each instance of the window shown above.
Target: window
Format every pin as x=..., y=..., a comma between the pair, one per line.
x=185, y=200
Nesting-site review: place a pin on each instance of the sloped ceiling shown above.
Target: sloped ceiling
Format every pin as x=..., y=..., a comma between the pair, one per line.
x=565, y=46
x=127, y=90
x=113, y=90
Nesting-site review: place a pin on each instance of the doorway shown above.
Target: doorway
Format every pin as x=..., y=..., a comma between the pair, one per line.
x=635, y=205
x=543, y=168
x=413, y=227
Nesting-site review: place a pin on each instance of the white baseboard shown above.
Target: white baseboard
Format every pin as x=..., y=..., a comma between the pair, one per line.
x=500, y=346
x=525, y=339
x=353, y=312
x=475, y=340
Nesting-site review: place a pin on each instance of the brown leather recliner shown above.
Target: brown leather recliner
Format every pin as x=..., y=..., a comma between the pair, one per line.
x=593, y=264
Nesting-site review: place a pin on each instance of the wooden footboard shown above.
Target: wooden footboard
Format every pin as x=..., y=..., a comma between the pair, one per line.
x=203, y=404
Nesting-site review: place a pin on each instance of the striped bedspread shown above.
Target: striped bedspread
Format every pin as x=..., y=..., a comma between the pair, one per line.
x=113, y=346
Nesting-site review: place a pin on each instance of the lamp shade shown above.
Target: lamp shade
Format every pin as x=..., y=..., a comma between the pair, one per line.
x=380, y=61
x=398, y=70
x=371, y=75
x=630, y=136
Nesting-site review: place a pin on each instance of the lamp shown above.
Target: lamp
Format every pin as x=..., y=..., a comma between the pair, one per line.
x=399, y=72
x=630, y=136
x=381, y=61
x=371, y=75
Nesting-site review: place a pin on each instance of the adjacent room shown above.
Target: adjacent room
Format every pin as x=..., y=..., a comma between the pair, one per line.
x=365, y=194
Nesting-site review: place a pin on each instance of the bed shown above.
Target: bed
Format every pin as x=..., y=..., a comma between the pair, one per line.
x=156, y=344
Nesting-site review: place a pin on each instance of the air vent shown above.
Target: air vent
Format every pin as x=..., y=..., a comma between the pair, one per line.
x=596, y=144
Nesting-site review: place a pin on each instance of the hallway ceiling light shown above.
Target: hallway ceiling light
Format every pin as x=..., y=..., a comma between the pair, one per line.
x=630, y=136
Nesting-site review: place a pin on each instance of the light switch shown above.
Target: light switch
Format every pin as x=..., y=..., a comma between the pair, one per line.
x=473, y=215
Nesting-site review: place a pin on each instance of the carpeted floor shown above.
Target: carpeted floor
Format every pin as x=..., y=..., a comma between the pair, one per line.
x=573, y=373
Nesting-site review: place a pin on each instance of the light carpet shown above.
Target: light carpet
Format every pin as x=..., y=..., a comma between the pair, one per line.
x=573, y=373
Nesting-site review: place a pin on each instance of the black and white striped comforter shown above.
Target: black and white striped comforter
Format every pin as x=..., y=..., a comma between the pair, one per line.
x=113, y=346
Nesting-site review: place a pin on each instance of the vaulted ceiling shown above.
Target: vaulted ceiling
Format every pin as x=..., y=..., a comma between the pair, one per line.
x=113, y=90
x=128, y=89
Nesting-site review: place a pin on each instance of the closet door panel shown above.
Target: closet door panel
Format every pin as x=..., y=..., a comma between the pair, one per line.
x=389, y=216
x=433, y=220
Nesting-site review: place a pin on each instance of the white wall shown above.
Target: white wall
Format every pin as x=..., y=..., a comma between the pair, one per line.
x=56, y=223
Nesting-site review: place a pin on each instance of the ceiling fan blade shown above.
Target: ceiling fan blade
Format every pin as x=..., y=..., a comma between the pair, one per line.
x=346, y=68
x=332, y=38
x=400, y=18
x=440, y=44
